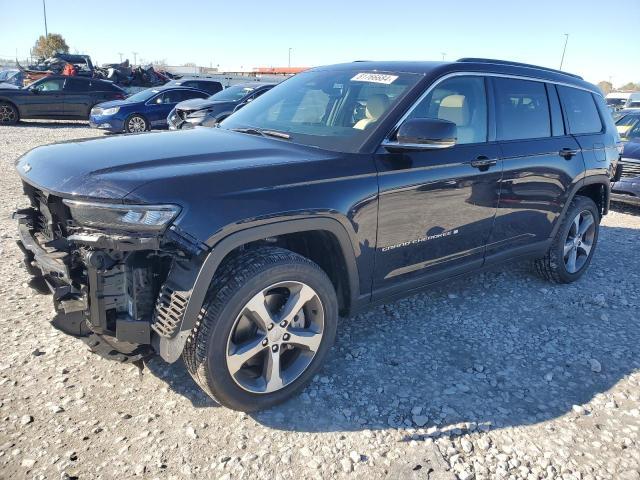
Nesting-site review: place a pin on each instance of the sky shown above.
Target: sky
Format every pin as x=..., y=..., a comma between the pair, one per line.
x=242, y=35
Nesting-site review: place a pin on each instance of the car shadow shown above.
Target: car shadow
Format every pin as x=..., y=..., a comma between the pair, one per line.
x=52, y=124
x=497, y=349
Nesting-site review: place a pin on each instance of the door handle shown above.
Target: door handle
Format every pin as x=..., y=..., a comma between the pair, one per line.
x=568, y=153
x=483, y=163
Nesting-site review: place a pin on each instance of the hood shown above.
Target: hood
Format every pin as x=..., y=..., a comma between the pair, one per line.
x=112, y=167
x=200, y=104
x=632, y=150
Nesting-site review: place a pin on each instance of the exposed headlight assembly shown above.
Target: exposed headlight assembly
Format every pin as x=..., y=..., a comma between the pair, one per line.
x=198, y=114
x=110, y=111
x=131, y=218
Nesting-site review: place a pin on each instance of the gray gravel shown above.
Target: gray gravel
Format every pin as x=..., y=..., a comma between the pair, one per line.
x=499, y=375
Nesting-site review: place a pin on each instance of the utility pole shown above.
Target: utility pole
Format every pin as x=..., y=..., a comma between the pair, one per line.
x=44, y=8
x=443, y=55
x=566, y=40
x=290, y=56
x=135, y=56
x=120, y=53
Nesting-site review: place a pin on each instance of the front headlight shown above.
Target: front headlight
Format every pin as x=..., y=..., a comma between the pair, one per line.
x=131, y=218
x=110, y=111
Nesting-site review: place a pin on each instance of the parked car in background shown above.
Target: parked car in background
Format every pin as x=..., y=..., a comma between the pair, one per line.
x=206, y=84
x=216, y=108
x=617, y=100
x=142, y=111
x=56, y=97
x=11, y=78
x=627, y=188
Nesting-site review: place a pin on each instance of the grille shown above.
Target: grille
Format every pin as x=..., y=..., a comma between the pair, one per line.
x=169, y=311
x=630, y=169
x=42, y=220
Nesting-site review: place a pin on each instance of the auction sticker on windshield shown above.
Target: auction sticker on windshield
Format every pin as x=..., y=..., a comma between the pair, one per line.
x=375, y=78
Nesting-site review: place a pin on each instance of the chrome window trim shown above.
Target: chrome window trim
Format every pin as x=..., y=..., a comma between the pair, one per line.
x=387, y=138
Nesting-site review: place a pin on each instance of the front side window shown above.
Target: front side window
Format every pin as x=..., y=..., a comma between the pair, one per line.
x=51, y=85
x=522, y=109
x=461, y=100
x=581, y=110
x=331, y=109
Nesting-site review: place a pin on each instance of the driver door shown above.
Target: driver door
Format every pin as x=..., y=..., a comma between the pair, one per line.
x=46, y=99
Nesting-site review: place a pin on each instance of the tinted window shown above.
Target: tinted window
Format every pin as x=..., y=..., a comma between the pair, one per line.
x=461, y=100
x=76, y=85
x=581, y=110
x=188, y=95
x=522, y=109
x=173, y=96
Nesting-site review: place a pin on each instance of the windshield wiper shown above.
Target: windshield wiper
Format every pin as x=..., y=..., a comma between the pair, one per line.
x=264, y=133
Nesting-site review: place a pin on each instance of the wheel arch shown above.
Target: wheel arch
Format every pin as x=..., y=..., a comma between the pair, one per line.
x=136, y=113
x=291, y=233
x=596, y=187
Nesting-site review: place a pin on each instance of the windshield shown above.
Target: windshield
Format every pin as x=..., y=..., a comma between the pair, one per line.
x=232, y=94
x=334, y=110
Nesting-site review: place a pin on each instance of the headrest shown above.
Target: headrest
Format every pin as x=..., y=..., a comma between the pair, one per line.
x=455, y=108
x=376, y=105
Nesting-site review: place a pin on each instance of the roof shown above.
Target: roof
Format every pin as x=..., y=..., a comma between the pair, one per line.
x=437, y=69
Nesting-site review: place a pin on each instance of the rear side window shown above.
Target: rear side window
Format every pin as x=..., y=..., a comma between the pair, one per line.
x=580, y=110
x=76, y=85
x=461, y=100
x=522, y=109
x=187, y=95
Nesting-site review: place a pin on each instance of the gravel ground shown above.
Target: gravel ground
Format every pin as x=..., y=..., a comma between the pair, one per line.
x=499, y=375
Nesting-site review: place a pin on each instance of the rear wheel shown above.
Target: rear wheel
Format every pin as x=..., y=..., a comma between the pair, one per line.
x=574, y=244
x=8, y=114
x=136, y=124
x=266, y=328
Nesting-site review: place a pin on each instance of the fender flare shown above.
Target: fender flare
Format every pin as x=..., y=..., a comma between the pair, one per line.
x=589, y=180
x=170, y=349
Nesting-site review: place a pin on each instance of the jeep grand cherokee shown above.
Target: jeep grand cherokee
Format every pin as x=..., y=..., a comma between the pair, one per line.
x=348, y=185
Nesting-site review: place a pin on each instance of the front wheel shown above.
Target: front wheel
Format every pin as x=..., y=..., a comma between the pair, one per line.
x=8, y=114
x=574, y=244
x=267, y=325
x=136, y=124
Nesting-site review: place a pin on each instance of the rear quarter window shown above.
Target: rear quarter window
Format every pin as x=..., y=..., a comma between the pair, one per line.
x=580, y=110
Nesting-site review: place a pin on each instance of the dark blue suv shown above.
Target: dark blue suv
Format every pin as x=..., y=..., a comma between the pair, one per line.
x=142, y=111
x=237, y=247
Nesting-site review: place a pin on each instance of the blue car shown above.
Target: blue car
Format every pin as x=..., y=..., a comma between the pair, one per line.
x=141, y=111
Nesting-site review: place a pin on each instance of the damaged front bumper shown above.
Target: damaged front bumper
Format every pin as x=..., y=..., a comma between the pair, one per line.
x=125, y=295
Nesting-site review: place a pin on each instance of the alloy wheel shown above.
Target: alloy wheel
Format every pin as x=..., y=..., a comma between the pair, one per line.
x=275, y=337
x=7, y=114
x=579, y=241
x=137, y=124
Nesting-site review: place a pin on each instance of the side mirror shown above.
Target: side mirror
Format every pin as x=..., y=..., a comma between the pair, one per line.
x=34, y=90
x=424, y=134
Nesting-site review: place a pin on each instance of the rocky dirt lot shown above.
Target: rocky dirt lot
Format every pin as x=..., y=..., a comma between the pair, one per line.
x=499, y=375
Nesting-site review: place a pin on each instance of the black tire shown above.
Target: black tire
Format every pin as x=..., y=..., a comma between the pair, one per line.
x=135, y=117
x=552, y=266
x=235, y=283
x=9, y=114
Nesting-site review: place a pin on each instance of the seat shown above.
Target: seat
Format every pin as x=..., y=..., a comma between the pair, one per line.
x=376, y=105
x=455, y=108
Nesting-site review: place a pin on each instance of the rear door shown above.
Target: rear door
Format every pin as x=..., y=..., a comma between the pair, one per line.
x=541, y=162
x=77, y=98
x=46, y=99
x=587, y=124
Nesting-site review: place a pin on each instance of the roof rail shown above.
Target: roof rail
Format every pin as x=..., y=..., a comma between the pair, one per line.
x=516, y=64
